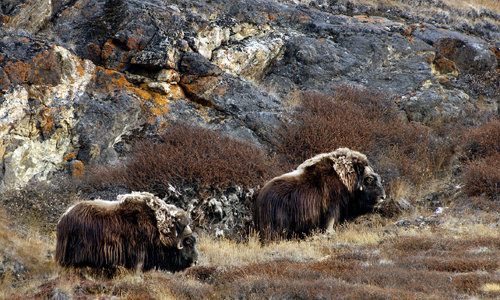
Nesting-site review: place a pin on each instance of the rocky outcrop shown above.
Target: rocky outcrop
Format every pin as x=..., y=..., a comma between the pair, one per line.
x=80, y=79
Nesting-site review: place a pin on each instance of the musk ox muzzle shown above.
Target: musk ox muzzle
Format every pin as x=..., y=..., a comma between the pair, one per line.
x=139, y=231
x=329, y=188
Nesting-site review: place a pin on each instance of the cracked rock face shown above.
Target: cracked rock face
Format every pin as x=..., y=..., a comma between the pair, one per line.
x=78, y=79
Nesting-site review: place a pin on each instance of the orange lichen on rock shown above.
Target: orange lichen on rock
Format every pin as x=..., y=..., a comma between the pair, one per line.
x=70, y=156
x=77, y=169
x=155, y=105
x=197, y=86
x=444, y=65
x=107, y=81
x=177, y=92
x=135, y=41
x=221, y=90
x=449, y=47
x=496, y=50
x=107, y=49
x=94, y=52
x=17, y=72
x=370, y=20
x=5, y=20
x=46, y=69
x=143, y=93
x=47, y=121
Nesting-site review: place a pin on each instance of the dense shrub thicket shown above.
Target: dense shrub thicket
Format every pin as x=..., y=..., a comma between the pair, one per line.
x=365, y=121
x=186, y=155
x=482, y=141
x=482, y=176
x=481, y=155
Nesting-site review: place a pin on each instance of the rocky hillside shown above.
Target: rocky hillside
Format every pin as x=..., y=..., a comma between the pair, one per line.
x=81, y=79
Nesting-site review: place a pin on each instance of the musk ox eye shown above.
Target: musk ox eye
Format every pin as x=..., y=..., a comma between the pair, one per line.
x=189, y=241
x=369, y=180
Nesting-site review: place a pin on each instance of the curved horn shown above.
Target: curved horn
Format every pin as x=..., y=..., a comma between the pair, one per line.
x=187, y=231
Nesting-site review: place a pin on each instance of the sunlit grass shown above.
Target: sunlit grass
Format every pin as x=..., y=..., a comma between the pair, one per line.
x=491, y=287
x=225, y=252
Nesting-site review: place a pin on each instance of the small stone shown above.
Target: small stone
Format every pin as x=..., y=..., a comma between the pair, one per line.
x=168, y=76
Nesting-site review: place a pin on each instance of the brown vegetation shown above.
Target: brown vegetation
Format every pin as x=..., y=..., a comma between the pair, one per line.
x=365, y=121
x=185, y=155
x=482, y=141
x=481, y=153
x=482, y=176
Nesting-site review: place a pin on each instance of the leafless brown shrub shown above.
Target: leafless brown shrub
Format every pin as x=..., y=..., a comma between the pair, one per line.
x=186, y=155
x=322, y=124
x=318, y=280
x=482, y=176
x=482, y=141
x=467, y=283
x=479, y=203
x=413, y=244
x=480, y=155
x=367, y=121
x=416, y=152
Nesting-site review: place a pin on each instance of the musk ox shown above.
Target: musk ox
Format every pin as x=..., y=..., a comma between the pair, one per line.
x=326, y=189
x=139, y=232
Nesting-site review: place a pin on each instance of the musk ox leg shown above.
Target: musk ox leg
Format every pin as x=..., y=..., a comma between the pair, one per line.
x=138, y=265
x=330, y=226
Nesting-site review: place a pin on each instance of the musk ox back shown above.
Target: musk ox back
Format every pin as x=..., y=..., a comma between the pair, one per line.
x=327, y=189
x=139, y=231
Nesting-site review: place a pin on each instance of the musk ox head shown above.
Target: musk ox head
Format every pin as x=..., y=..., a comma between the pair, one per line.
x=356, y=174
x=171, y=221
x=369, y=192
x=139, y=231
x=326, y=189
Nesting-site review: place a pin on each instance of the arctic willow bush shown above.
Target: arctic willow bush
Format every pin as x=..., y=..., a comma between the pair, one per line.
x=367, y=121
x=186, y=155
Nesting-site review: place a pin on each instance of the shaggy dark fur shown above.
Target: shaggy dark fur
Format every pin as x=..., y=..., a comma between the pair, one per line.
x=104, y=234
x=316, y=196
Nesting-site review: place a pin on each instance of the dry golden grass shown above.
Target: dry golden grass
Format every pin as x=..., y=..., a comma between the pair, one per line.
x=400, y=189
x=491, y=287
x=369, y=259
x=225, y=253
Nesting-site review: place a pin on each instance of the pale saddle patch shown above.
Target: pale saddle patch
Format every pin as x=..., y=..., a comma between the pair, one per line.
x=166, y=214
x=343, y=163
